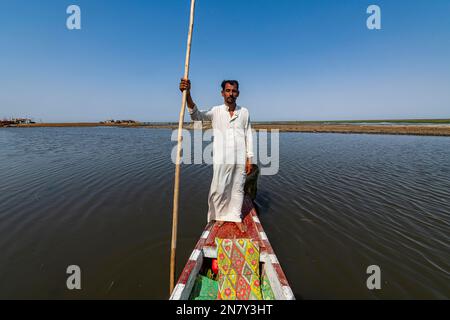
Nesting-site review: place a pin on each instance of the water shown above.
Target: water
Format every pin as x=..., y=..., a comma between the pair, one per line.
x=101, y=198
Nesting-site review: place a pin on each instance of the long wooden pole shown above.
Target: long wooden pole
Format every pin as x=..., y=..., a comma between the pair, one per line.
x=176, y=188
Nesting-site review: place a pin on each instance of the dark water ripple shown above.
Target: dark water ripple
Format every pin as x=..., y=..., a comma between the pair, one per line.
x=380, y=199
x=101, y=198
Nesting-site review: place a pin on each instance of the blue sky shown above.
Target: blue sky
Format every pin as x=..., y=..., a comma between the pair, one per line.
x=296, y=60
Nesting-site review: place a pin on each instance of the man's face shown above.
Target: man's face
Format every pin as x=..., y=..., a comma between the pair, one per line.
x=230, y=93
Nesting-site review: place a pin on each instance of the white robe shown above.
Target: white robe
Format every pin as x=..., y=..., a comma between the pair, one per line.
x=232, y=144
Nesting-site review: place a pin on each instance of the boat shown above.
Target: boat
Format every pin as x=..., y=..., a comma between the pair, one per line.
x=206, y=250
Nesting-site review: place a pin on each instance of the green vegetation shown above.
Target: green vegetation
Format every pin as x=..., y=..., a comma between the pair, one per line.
x=418, y=121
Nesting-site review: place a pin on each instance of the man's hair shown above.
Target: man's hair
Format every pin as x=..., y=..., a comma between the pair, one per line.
x=232, y=82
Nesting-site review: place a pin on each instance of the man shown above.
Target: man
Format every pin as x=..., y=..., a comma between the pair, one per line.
x=232, y=152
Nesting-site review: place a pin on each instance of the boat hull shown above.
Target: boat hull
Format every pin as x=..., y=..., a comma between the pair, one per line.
x=206, y=248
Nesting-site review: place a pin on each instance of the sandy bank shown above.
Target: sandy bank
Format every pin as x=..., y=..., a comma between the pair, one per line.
x=426, y=130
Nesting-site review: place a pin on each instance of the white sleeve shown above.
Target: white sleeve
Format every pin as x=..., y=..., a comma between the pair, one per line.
x=198, y=115
x=249, y=138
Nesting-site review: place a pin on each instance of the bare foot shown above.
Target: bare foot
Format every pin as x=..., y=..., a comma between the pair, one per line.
x=241, y=227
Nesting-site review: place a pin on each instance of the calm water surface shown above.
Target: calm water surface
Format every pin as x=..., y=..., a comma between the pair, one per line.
x=101, y=198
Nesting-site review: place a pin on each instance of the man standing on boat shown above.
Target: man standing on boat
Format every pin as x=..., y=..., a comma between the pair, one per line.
x=232, y=152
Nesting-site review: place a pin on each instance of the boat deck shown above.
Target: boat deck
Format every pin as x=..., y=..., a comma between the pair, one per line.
x=206, y=248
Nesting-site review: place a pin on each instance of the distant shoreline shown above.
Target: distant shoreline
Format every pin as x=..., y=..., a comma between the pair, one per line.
x=439, y=127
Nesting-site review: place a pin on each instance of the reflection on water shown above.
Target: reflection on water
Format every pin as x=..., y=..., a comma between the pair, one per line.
x=101, y=198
